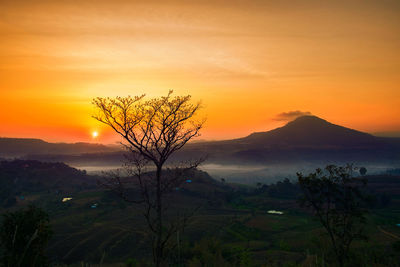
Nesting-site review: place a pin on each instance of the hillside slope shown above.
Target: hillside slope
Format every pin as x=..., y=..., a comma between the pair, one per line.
x=14, y=147
x=306, y=138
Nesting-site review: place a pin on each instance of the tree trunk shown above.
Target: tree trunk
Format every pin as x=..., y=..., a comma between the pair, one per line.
x=159, y=248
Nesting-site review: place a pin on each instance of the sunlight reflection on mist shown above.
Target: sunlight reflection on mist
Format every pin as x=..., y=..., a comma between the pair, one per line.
x=252, y=174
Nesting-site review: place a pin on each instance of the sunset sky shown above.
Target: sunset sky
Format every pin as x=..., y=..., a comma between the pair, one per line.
x=250, y=62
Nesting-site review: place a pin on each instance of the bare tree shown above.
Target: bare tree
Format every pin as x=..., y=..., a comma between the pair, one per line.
x=339, y=202
x=152, y=131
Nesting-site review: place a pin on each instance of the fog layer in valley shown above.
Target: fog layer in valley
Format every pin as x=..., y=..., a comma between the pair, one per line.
x=253, y=174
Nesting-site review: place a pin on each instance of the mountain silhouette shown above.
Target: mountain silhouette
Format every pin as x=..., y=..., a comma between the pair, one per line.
x=307, y=138
x=311, y=131
x=14, y=147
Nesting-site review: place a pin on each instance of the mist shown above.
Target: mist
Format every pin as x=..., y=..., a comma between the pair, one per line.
x=253, y=174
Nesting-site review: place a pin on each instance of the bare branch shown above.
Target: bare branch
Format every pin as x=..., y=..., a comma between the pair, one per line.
x=153, y=130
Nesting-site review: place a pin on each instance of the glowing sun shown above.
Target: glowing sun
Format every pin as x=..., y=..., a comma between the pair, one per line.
x=95, y=134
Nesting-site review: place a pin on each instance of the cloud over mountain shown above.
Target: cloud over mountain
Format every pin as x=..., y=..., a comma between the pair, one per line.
x=291, y=115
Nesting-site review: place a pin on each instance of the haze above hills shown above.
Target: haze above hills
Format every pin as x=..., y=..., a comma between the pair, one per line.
x=307, y=138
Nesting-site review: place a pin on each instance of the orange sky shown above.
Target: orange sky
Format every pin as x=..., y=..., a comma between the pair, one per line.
x=339, y=60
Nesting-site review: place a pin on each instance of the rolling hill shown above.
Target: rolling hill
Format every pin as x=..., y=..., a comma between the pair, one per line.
x=311, y=131
x=16, y=147
x=305, y=139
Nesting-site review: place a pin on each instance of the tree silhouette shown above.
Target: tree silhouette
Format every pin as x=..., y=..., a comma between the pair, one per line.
x=152, y=131
x=363, y=171
x=24, y=235
x=337, y=200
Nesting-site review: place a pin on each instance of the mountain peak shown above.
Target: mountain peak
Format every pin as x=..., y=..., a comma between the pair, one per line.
x=308, y=119
x=312, y=131
x=310, y=123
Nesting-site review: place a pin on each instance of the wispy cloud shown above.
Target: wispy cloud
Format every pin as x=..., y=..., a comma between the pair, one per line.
x=291, y=115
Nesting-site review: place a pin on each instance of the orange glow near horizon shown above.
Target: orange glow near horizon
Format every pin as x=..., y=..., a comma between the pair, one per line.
x=247, y=62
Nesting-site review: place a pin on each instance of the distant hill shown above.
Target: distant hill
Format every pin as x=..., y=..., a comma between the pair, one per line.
x=311, y=131
x=15, y=147
x=20, y=177
x=305, y=139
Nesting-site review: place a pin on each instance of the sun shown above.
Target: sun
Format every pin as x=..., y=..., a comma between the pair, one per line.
x=95, y=134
